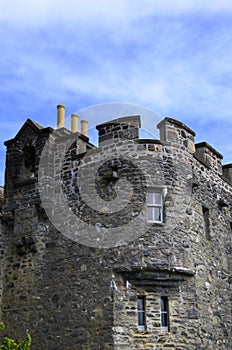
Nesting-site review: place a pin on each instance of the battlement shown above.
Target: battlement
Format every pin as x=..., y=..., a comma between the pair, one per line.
x=227, y=171
x=171, y=129
x=178, y=133
x=124, y=127
x=208, y=156
x=172, y=132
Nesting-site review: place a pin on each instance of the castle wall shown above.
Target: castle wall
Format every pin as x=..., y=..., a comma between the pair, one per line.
x=2, y=250
x=73, y=281
x=200, y=314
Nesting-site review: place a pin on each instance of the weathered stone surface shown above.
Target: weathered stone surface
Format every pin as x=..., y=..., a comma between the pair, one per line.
x=72, y=296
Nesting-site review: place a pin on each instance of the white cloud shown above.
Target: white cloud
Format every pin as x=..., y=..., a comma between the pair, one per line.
x=47, y=11
x=173, y=57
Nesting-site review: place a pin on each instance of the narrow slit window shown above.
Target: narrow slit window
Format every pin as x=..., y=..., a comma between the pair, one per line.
x=231, y=227
x=231, y=233
x=205, y=213
x=141, y=312
x=164, y=314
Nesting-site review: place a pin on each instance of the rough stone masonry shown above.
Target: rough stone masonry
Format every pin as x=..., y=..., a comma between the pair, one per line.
x=145, y=268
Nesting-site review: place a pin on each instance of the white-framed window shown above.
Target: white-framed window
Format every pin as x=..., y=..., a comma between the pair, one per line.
x=155, y=205
x=164, y=313
x=141, y=313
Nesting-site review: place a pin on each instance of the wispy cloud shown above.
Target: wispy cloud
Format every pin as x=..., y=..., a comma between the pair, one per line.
x=26, y=11
x=173, y=57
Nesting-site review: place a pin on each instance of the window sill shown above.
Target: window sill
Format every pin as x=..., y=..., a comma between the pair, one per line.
x=164, y=329
x=155, y=222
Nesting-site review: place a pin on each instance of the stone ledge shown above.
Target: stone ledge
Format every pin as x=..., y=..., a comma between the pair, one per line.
x=156, y=268
x=161, y=276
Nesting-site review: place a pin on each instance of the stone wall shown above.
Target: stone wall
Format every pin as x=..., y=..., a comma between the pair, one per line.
x=73, y=281
x=2, y=248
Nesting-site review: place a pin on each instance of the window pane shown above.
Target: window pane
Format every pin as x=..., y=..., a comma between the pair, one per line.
x=164, y=319
x=154, y=214
x=150, y=214
x=157, y=214
x=140, y=304
x=157, y=198
x=141, y=318
x=164, y=304
x=150, y=198
x=154, y=198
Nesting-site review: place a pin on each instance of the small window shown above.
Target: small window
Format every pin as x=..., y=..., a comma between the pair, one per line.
x=205, y=213
x=155, y=206
x=231, y=232
x=164, y=314
x=28, y=166
x=141, y=313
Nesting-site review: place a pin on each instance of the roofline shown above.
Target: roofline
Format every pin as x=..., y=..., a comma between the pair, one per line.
x=36, y=127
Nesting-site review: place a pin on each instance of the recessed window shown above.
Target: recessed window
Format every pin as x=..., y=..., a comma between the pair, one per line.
x=205, y=213
x=164, y=310
x=231, y=232
x=155, y=206
x=141, y=313
x=28, y=166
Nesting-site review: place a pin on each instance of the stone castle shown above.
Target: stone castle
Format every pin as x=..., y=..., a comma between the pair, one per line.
x=145, y=268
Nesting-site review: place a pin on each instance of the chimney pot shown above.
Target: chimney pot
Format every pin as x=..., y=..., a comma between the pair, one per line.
x=60, y=116
x=74, y=122
x=84, y=127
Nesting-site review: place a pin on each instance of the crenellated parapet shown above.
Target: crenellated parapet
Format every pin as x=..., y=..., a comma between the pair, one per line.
x=227, y=172
x=177, y=133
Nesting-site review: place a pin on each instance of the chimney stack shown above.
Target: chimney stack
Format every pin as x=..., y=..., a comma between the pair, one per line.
x=60, y=116
x=84, y=127
x=74, y=122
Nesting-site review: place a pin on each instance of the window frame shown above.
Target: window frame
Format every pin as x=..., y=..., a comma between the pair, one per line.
x=141, y=326
x=160, y=206
x=164, y=310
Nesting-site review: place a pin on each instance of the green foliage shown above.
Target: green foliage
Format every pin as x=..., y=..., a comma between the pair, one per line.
x=11, y=344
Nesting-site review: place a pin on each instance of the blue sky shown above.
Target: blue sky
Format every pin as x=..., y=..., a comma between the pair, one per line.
x=171, y=57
